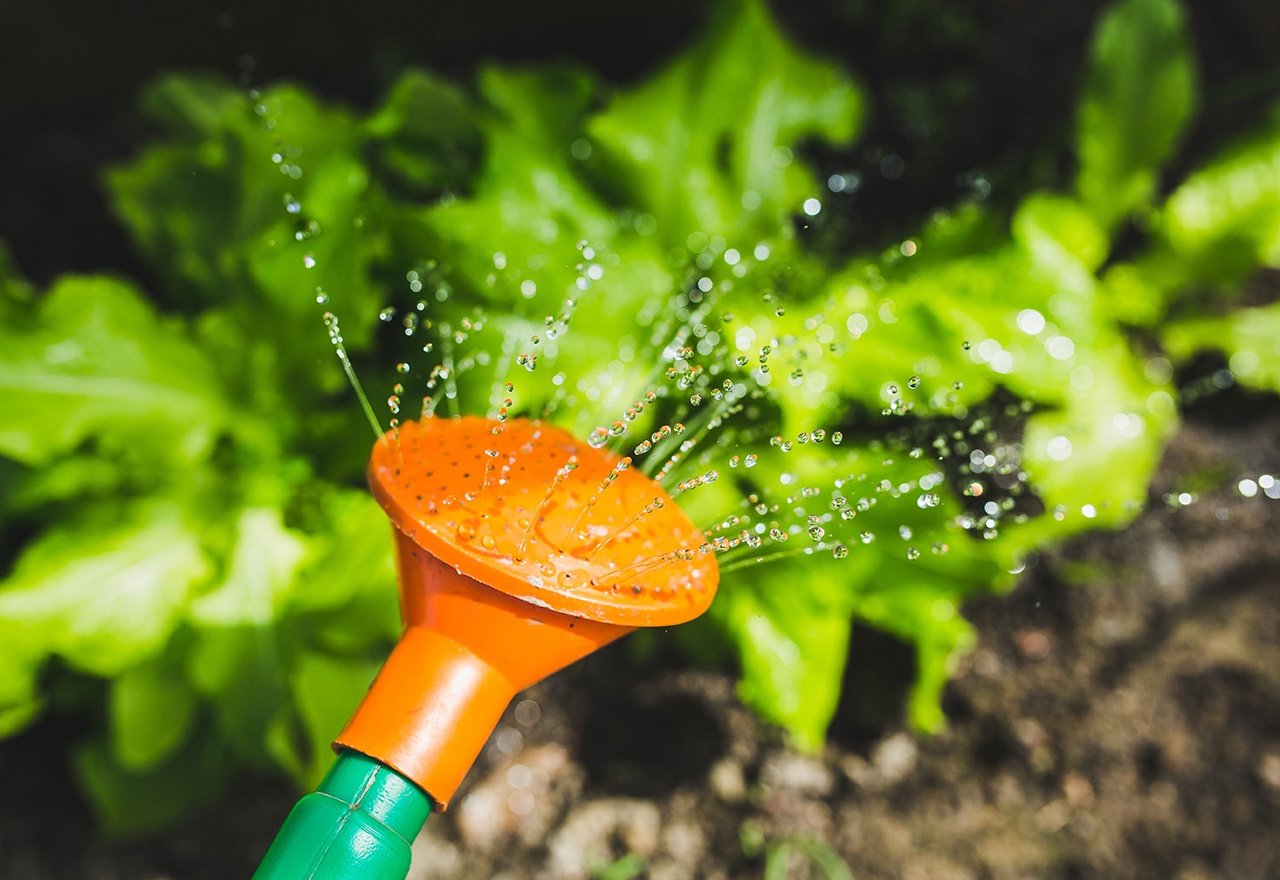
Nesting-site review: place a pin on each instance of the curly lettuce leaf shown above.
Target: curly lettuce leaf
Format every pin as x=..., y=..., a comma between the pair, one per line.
x=792, y=642
x=1250, y=338
x=187, y=615
x=93, y=362
x=103, y=593
x=1139, y=95
x=260, y=573
x=1224, y=219
x=706, y=146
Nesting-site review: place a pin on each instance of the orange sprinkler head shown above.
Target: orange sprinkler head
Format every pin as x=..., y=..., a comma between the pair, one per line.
x=521, y=549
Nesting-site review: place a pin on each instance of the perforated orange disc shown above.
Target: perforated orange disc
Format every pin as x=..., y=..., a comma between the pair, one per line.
x=510, y=505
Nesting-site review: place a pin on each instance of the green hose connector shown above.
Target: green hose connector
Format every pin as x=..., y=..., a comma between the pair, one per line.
x=357, y=825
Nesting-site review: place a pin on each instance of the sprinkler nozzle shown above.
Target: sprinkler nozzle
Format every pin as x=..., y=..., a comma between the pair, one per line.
x=504, y=580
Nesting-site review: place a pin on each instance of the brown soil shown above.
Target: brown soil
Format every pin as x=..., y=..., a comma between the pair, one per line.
x=1119, y=719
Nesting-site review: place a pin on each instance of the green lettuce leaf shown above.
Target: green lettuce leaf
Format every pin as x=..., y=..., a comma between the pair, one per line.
x=259, y=576
x=793, y=642
x=103, y=593
x=95, y=363
x=1250, y=338
x=150, y=712
x=1224, y=219
x=706, y=146
x=326, y=689
x=1139, y=94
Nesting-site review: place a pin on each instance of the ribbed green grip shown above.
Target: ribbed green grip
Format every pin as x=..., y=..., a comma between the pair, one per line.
x=357, y=826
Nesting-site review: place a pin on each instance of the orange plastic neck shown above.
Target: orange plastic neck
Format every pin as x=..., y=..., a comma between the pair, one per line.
x=467, y=649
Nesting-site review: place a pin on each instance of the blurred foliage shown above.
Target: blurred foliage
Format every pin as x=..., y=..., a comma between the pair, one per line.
x=182, y=472
x=783, y=854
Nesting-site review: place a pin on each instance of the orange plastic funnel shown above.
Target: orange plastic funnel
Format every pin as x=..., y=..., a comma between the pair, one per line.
x=521, y=549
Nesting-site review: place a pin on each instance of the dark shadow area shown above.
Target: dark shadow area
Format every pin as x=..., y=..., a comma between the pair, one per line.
x=642, y=742
x=877, y=682
x=1212, y=397
x=65, y=842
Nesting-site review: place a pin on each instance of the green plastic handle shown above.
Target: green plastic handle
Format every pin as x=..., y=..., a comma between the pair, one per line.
x=357, y=825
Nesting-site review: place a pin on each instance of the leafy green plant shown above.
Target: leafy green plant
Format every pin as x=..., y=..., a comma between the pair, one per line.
x=182, y=473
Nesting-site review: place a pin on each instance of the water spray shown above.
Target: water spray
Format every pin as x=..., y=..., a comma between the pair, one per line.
x=503, y=581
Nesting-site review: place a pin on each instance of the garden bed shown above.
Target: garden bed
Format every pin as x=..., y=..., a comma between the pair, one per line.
x=1120, y=718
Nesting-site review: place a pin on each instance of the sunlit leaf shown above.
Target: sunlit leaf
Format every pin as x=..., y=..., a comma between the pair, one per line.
x=1250, y=338
x=104, y=593
x=1139, y=94
x=94, y=362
